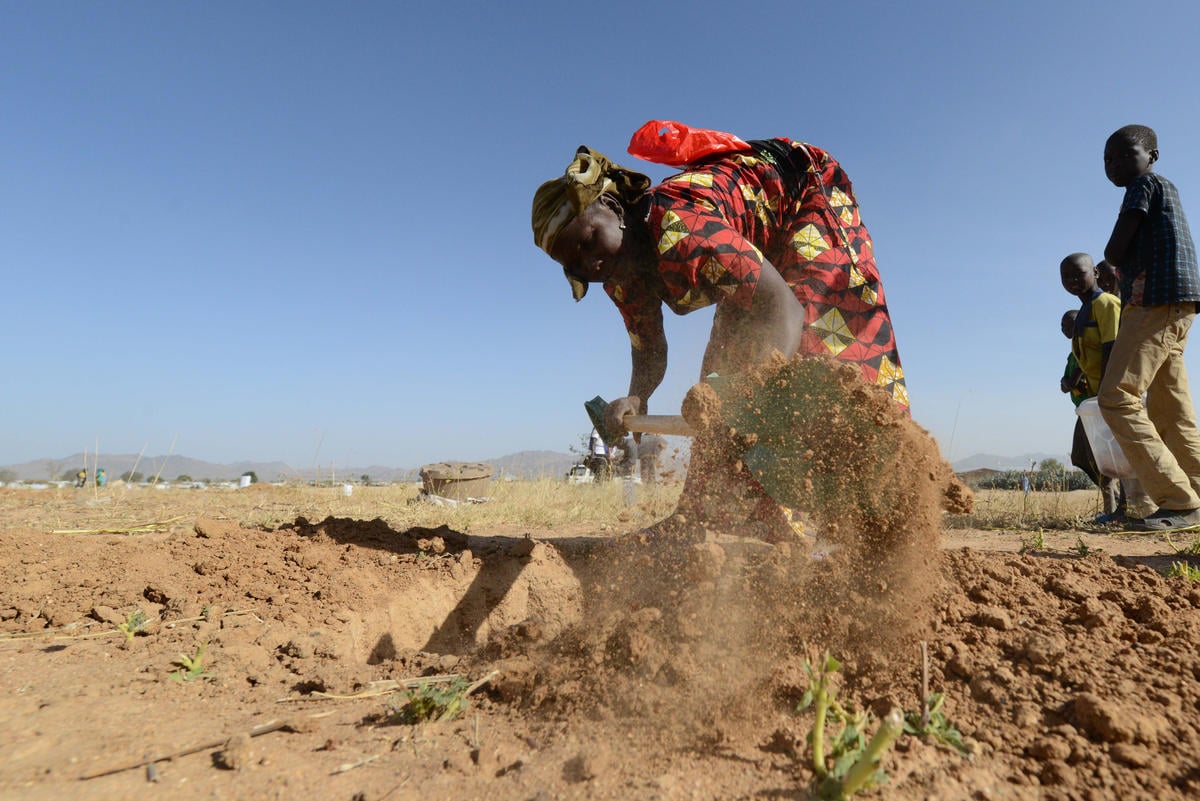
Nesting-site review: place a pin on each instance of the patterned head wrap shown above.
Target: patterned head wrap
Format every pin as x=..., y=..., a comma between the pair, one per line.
x=557, y=202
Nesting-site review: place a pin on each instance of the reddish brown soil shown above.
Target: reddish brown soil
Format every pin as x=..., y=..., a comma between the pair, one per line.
x=1075, y=677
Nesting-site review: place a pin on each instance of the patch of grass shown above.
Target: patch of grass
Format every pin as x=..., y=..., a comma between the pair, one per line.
x=1184, y=570
x=429, y=702
x=190, y=667
x=546, y=503
x=1012, y=509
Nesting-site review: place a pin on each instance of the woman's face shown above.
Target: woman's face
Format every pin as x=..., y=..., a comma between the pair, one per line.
x=590, y=247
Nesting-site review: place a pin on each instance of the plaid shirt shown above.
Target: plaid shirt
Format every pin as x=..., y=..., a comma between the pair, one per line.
x=1162, y=265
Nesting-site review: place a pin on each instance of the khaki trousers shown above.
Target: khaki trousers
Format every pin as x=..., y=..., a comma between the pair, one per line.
x=1159, y=438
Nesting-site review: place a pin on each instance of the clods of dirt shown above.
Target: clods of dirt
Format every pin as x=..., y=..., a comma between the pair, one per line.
x=677, y=675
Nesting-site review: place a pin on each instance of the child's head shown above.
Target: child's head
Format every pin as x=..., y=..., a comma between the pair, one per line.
x=1078, y=273
x=1106, y=277
x=1129, y=153
x=1068, y=323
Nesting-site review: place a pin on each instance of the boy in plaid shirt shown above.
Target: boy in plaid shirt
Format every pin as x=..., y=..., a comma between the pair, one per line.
x=1152, y=248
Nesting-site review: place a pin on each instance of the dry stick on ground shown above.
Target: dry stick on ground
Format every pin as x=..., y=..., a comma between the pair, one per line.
x=264, y=728
x=26, y=635
x=348, y=766
x=403, y=782
x=140, y=528
x=924, y=685
x=386, y=686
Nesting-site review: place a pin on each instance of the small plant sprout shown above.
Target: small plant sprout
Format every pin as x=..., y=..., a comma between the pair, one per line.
x=132, y=624
x=852, y=763
x=1184, y=570
x=190, y=667
x=935, y=725
x=1035, y=543
x=430, y=702
x=1083, y=549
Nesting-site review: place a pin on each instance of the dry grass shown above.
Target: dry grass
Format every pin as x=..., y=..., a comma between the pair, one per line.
x=1013, y=509
x=542, y=504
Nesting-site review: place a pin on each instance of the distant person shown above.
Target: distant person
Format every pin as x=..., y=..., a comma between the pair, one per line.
x=81, y=479
x=627, y=465
x=650, y=450
x=1108, y=277
x=101, y=477
x=599, y=458
x=1152, y=248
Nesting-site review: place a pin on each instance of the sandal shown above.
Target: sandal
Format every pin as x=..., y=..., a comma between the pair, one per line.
x=1167, y=520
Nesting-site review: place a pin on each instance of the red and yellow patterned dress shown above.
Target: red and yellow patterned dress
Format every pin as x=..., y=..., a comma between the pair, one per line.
x=792, y=204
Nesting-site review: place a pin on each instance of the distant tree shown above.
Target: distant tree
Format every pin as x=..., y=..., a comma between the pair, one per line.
x=1077, y=479
x=183, y=477
x=253, y=476
x=584, y=446
x=1050, y=466
x=1009, y=479
x=1050, y=475
x=132, y=477
x=365, y=479
x=8, y=475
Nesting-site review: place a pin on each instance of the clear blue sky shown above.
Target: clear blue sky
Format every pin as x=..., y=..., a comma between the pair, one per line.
x=300, y=230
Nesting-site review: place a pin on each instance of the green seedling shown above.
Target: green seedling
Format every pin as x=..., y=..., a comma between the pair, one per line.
x=190, y=667
x=1035, y=543
x=132, y=624
x=934, y=725
x=429, y=702
x=1184, y=570
x=1083, y=549
x=852, y=763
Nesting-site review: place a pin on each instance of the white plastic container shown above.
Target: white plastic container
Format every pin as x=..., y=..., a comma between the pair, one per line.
x=1105, y=448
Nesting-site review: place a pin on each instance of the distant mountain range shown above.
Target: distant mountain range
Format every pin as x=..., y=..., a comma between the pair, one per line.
x=523, y=465
x=988, y=461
